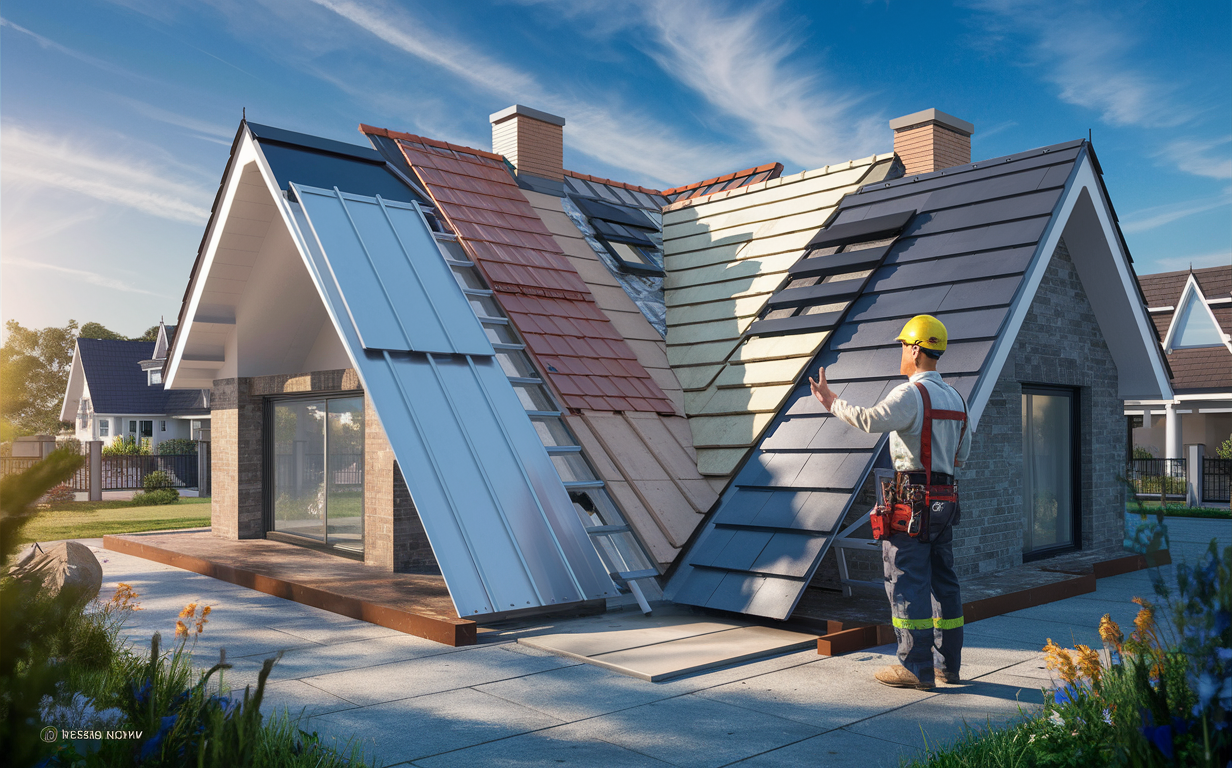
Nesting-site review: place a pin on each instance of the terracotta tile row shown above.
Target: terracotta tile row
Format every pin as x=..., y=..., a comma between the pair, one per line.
x=734, y=179
x=577, y=347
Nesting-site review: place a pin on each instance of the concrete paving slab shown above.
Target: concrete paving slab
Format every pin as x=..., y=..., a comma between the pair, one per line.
x=590, y=644
x=696, y=732
x=329, y=631
x=1031, y=631
x=298, y=699
x=579, y=692
x=566, y=745
x=941, y=719
x=704, y=649
x=836, y=749
x=314, y=661
x=433, y=674
x=827, y=694
x=431, y=725
x=1081, y=612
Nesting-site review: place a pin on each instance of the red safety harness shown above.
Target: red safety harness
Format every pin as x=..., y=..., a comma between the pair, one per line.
x=908, y=506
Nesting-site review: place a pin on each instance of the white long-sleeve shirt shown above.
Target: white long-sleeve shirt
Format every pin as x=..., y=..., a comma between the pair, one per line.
x=901, y=413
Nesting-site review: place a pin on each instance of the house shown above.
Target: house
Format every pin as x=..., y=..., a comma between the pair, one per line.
x=115, y=390
x=550, y=387
x=1192, y=313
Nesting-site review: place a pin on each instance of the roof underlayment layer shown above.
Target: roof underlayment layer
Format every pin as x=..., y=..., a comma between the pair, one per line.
x=973, y=234
x=646, y=460
x=725, y=254
x=583, y=354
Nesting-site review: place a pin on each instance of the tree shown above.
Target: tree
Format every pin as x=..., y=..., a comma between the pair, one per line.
x=34, y=366
x=151, y=334
x=99, y=331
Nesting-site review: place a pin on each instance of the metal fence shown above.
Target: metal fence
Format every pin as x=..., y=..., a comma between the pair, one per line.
x=1152, y=477
x=1216, y=479
x=119, y=472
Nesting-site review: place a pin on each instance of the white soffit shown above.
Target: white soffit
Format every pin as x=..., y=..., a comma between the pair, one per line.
x=500, y=521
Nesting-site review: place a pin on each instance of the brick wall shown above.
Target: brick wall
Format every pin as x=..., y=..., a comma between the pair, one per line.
x=1060, y=343
x=533, y=146
x=394, y=538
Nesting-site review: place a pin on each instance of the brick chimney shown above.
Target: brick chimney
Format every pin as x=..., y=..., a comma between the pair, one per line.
x=931, y=140
x=533, y=141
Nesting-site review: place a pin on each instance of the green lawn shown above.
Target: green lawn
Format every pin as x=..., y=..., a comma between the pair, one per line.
x=91, y=519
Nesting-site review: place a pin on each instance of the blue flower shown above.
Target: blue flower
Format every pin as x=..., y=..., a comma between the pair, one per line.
x=1161, y=737
x=1066, y=695
x=142, y=694
x=155, y=742
x=1207, y=687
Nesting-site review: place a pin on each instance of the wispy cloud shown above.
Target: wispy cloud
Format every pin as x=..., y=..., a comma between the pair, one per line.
x=1152, y=218
x=1091, y=58
x=200, y=128
x=75, y=165
x=740, y=60
x=621, y=137
x=1196, y=261
x=94, y=61
x=1212, y=158
x=86, y=275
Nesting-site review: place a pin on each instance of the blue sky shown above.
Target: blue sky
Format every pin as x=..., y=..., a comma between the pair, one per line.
x=117, y=117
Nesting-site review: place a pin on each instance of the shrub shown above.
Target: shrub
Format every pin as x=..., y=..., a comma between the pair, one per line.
x=1224, y=451
x=178, y=446
x=61, y=494
x=127, y=445
x=156, y=496
x=155, y=480
x=1141, y=452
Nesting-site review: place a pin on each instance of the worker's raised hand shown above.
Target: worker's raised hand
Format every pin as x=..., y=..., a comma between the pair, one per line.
x=821, y=390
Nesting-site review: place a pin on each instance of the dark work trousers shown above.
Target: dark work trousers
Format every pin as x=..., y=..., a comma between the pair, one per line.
x=925, y=602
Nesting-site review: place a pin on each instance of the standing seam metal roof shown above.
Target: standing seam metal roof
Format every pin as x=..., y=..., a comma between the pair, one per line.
x=586, y=358
x=962, y=257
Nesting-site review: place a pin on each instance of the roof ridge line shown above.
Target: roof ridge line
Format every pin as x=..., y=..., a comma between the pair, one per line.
x=778, y=167
x=610, y=182
x=365, y=128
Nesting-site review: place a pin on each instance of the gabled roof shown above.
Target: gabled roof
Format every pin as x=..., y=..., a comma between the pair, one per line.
x=586, y=358
x=118, y=385
x=976, y=243
x=725, y=254
x=1193, y=370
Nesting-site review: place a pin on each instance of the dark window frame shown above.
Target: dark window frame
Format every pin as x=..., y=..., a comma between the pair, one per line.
x=1076, y=481
x=651, y=269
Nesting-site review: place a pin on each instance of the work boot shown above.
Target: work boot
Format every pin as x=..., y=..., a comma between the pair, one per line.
x=898, y=676
x=949, y=678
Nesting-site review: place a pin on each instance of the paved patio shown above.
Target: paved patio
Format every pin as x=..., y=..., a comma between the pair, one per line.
x=411, y=701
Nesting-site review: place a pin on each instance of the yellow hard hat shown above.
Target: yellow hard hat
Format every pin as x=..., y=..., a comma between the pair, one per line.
x=926, y=331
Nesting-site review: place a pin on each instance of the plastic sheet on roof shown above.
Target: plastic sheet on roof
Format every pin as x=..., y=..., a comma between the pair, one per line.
x=499, y=519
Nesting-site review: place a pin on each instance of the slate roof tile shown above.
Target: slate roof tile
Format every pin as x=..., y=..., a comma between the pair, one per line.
x=118, y=385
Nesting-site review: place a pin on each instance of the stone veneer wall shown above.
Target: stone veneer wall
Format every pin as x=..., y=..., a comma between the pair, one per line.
x=1060, y=344
x=394, y=538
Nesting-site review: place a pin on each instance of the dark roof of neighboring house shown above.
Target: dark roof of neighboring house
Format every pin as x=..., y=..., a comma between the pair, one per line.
x=587, y=359
x=118, y=385
x=955, y=244
x=1193, y=369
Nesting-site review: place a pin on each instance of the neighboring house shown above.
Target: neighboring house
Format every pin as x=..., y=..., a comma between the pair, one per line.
x=1192, y=311
x=541, y=383
x=115, y=390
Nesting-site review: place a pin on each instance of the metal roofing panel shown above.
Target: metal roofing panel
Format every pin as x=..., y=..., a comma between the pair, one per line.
x=325, y=169
x=965, y=251
x=862, y=229
x=838, y=263
x=499, y=520
x=399, y=292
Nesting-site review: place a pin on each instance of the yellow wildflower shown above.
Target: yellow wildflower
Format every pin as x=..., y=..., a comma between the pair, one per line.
x=202, y=621
x=180, y=629
x=1058, y=660
x=188, y=611
x=1145, y=630
x=1110, y=632
x=1089, y=663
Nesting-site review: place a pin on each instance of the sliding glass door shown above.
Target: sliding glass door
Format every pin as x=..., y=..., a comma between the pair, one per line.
x=318, y=470
x=1050, y=470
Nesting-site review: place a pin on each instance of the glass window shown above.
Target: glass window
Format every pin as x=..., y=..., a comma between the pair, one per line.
x=1194, y=327
x=162, y=426
x=453, y=250
x=147, y=428
x=318, y=457
x=104, y=427
x=155, y=377
x=620, y=552
x=1048, y=470
x=631, y=254
x=132, y=427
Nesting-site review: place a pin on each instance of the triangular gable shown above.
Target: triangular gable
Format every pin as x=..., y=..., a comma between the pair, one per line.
x=499, y=520
x=1194, y=325
x=973, y=253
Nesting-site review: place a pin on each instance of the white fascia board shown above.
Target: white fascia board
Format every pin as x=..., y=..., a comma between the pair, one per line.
x=247, y=152
x=1081, y=178
x=75, y=384
x=1193, y=292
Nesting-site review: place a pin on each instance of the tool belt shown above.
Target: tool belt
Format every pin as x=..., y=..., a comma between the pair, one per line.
x=920, y=503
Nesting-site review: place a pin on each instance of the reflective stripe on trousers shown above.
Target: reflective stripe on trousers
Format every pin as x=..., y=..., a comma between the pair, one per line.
x=925, y=602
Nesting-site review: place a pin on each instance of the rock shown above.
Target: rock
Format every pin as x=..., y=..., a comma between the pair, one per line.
x=67, y=568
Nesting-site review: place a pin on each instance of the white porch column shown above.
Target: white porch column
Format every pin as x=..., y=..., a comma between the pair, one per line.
x=1193, y=476
x=1172, y=431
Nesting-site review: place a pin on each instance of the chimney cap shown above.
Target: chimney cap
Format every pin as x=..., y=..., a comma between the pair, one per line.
x=518, y=109
x=930, y=116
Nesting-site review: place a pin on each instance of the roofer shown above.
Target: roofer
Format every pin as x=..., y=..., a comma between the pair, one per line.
x=916, y=511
